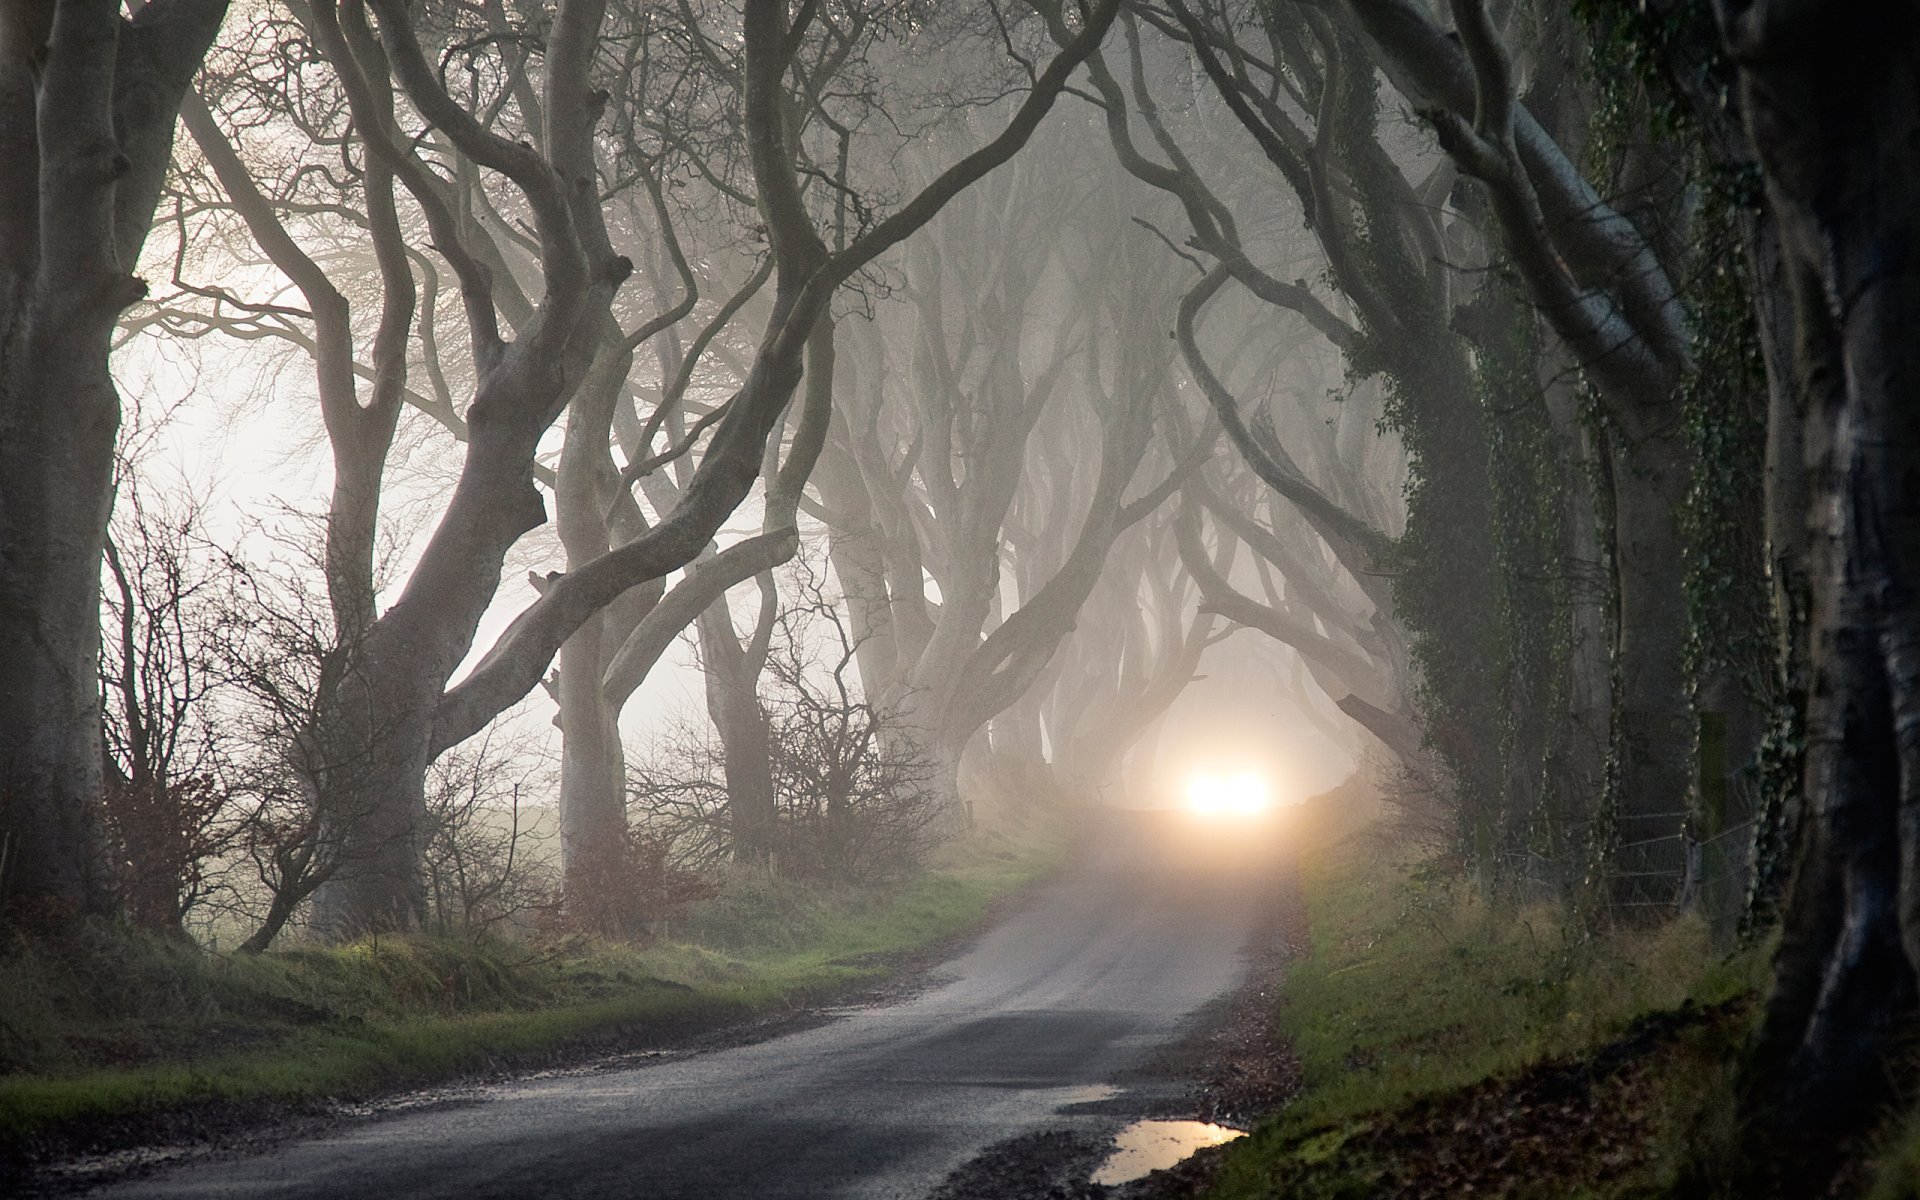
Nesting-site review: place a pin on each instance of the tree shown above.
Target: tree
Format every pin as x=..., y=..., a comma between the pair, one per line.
x=1601, y=283
x=1383, y=240
x=732, y=670
x=385, y=711
x=1133, y=652
x=482, y=867
x=1571, y=278
x=400, y=693
x=851, y=799
x=922, y=483
x=1840, y=190
x=87, y=106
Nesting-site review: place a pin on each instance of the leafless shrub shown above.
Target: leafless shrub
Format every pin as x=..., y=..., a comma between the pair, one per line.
x=281, y=648
x=212, y=670
x=857, y=792
x=624, y=888
x=1422, y=810
x=208, y=668
x=678, y=790
x=166, y=808
x=284, y=857
x=854, y=794
x=483, y=864
x=274, y=636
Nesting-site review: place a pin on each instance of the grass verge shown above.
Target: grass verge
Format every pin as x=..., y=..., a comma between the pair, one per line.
x=122, y=1028
x=1452, y=1047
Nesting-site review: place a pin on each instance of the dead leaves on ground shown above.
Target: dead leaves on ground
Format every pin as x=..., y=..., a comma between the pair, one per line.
x=1554, y=1130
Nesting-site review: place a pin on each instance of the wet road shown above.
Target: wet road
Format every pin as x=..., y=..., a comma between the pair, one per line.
x=1065, y=995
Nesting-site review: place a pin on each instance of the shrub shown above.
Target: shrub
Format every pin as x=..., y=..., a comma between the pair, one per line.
x=483, y=862
x=624, y=887
x=854, y=793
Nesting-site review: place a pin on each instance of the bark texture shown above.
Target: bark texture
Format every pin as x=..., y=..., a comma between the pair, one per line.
x=88, y=102
x=1832, y=100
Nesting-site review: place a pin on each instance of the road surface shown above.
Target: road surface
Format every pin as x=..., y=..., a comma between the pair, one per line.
x=1066, y=995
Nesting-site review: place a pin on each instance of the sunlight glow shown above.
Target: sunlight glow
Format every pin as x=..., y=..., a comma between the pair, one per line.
x=1244, y=793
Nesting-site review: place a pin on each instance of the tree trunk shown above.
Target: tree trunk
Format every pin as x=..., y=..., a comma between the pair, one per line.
x=1832, y=99
x=367, y=757
x=1653, y=719
x=87, y=109
x=593, y=785
x=56, y=488
x=859, y=563
x=733, y=704
x=1019, y=757
x=1583, y=764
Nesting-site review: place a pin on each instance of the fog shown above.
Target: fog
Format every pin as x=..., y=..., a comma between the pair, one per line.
x=529, y=479
x=1004, y=384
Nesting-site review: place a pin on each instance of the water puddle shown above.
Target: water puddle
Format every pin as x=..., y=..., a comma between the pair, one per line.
x=1146, y=1146
x=1093, y=1093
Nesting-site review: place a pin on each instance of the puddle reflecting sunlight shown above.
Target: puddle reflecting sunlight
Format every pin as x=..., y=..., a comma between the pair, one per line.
x=1146, y=1146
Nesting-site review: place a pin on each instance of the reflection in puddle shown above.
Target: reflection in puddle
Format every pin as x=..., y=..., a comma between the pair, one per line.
x=1154, y=1145
x=1091, y=1094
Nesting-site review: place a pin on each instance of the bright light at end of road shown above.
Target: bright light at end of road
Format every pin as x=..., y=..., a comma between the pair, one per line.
x=1244, y=793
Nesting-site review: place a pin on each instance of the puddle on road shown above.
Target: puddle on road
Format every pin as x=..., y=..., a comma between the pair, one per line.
x=1092, y=1093
x=1146, y=1146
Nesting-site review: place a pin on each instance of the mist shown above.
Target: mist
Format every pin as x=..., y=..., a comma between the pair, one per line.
x=1167, y=570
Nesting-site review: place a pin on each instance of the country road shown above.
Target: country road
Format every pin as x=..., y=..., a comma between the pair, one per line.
x=1071, y=992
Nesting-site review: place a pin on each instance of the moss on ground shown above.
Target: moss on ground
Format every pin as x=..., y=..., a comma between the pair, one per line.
x=120, y=1026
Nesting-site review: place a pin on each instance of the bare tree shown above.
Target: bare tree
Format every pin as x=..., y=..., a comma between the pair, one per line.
x=386, y=708
x=1136, y=648
x=1300, y=82
x=922, y=483
x=276, y=644
x=87, y=106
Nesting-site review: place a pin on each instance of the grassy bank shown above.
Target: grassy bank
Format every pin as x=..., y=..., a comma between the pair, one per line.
x=121, y=1027
x=1449, y=1047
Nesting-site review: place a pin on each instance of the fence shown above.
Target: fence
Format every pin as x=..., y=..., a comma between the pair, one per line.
x=1713, y=875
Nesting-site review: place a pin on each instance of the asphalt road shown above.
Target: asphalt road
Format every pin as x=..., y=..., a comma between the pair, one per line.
x=1068, y=994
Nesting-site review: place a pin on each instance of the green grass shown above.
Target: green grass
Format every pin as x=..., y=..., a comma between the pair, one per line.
x=123, y=1025
x=1412, y=989
x=1419, y=1005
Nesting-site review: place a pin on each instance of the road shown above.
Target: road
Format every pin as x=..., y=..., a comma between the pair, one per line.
x=1068, y=994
